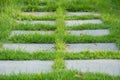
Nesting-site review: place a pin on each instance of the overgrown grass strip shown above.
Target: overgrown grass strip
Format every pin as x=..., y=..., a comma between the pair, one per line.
x=33, y=38
x=34, y=27
x=21, y=55
x=73, y=75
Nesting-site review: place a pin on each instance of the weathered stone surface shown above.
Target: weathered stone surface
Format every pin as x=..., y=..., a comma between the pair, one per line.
x=22, y=32
x=80, y=22
x=111, y=67
x=91, y=47
x=38, y=13
x=68, y=23
x=68, y=13
x=82, y=13
x=37, y=22
x=99, y=32
x=29, y=47
x=33, y=66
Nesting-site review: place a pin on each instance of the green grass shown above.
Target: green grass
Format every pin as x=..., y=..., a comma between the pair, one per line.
x=60, y=45
x=33, y=17
x=10, y=11
x=6, y=20
x=33, y=27
x=58, y=64
x=53, y=17
x=30, y=5
x=36, y=2
x=89, y=39
x=62, y=75
x=89, y=26
x=39, y=38
x=21, y=55
x=49, y=7
x=4, y=29
x=82, y=17
x=109, y=20
x=33, y=38
x=79, y=5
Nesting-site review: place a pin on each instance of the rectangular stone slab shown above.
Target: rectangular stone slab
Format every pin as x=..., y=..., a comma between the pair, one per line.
x=29, y=47
x=32, y=66
x=22, y=32
x=37, y=22
x=38, y=13
x=82, y=13
x=91, y=47
x=99, y=32
x=68, y=13
x=111, y=67
x=68, y=23
x=80, y=22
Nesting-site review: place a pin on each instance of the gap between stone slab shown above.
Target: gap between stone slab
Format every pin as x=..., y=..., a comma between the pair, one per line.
x=28, y=66
x=111, y=67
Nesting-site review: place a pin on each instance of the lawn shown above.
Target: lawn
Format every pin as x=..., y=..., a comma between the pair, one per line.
x=12, y=11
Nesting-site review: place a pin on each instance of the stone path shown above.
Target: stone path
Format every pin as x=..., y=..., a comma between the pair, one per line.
x=31, y=66
x=69, y=47
x=100, y=32
x=30, y=47
x=67, y=14
x=82, y=13
x=91, y=47
x=68, y=22
x=38, y=13
x=81, y=22
x=23, y=32
x=37, y=22
x=111, y=67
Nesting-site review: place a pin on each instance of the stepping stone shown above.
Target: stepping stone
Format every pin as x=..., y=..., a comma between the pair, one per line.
x=32, y=66
x=99, y=32
x=80, y=22
x=111, y=67
x=38, y=13
x=82, y=13
x=19, y=32
x=29, y=47
x=68, y=23
x=37, y=22
x=91, y=47
x=68, y=14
